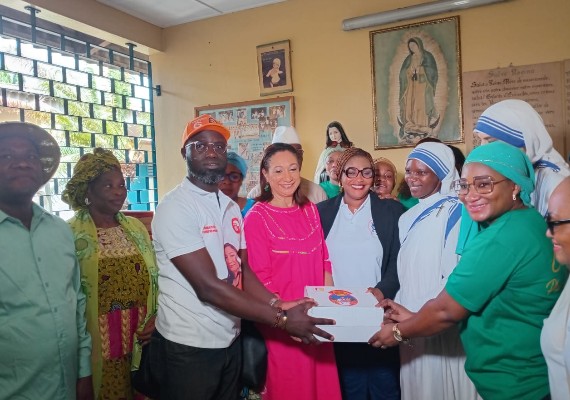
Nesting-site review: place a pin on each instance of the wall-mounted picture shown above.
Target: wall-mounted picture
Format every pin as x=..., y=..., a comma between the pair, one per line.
x=416, y=77
x=274, y=68
x=251, y=124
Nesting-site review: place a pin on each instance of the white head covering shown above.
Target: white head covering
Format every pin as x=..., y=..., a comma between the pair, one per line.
x=285, y=134
x=439, y=158
x=517, y=123
x=323, y=161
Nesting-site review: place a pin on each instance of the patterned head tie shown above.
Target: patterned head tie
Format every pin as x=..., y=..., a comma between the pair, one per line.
x=88, y=168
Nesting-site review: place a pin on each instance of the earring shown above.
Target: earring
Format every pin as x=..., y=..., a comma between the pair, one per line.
x=266, y=188
x=514, y=197
x=87, y=202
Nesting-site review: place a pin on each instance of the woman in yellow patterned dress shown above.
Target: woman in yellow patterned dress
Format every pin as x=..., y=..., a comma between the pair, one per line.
x=118, y=272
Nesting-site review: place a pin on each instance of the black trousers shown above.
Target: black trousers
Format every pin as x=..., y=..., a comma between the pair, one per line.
x=186, y=372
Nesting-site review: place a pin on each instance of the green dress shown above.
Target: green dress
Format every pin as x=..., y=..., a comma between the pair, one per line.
x=330, y=189
x=408, y=202
x=509, y=281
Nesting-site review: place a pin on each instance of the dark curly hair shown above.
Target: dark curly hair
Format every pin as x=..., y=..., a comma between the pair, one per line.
x=266, y=195
x=337, y=125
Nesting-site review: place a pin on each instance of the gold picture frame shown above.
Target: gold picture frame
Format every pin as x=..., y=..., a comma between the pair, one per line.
x=274, y=68
x=416, y=81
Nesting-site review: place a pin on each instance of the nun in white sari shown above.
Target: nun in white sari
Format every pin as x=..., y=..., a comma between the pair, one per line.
x=433, y=367
x=518, y=124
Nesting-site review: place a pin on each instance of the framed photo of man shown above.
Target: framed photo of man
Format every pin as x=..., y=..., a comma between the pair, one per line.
x=274, y=68
x=416, y=76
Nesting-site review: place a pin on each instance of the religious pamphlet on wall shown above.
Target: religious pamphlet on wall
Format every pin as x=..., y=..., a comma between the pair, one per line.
x=545, y=86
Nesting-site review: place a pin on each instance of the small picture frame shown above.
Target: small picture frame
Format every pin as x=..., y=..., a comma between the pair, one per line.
x=274, y=68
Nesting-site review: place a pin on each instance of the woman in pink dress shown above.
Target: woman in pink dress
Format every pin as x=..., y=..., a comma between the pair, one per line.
x=287, y=251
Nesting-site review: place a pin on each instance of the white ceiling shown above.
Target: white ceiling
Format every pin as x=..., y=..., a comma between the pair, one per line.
x=165, y=13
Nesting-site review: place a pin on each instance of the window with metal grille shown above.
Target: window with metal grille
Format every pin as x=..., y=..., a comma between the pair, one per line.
x=87, y=93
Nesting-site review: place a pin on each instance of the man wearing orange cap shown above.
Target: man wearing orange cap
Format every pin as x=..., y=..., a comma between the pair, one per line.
x=45, y=350
x=199, y=313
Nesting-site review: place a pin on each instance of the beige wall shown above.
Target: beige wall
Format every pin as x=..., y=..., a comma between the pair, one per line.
x=214, y=61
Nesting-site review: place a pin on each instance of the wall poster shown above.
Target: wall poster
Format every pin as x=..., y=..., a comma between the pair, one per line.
x=251, y=124
x=544, y=86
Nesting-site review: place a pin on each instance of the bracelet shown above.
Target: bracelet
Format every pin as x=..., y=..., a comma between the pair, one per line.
x=283, y=322
x=278, y=318
x=274, y=301
x=398, y=335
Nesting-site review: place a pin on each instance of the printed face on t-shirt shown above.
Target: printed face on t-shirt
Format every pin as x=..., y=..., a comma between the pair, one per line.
x=233, y=262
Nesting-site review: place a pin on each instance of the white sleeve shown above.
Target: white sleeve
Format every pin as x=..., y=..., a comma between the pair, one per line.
x=176, y=228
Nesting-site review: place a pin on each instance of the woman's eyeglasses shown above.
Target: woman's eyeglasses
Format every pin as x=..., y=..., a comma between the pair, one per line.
x=481, y=184
x=233, y=177
x=201, y=147
x=352, y=172
x=551, y=224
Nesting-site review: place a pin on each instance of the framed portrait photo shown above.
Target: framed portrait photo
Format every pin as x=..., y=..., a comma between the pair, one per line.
x=274, y=68
x=416, y=80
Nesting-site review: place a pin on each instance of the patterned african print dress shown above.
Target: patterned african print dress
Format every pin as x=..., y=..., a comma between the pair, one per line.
x=123, y=289
x=120, y=279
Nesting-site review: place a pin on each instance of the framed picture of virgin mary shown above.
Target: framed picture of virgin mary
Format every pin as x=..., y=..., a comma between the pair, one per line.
x=416, y=77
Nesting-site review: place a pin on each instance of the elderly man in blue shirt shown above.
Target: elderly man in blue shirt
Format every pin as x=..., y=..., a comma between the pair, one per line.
x=44, y=347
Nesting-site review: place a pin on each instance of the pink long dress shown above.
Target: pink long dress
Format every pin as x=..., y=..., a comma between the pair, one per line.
x=287, y=251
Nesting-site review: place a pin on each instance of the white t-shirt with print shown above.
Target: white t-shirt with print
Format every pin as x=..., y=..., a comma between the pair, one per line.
x=186, y=220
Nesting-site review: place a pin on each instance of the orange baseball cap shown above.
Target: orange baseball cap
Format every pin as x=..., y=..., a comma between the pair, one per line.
x=203, y=123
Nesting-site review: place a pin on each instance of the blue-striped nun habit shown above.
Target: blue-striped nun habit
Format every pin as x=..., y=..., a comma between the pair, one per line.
x=433, y=367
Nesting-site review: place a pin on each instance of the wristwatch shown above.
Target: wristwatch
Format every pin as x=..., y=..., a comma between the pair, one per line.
x=398, y=334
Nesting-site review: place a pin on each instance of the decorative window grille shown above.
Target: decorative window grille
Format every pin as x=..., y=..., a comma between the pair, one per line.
x=86, y=95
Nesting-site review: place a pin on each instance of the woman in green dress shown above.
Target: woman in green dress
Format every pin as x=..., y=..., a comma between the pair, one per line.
x=118, y=272
x=504, y=286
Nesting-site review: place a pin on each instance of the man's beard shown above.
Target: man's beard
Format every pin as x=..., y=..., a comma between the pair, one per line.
x=207, y=176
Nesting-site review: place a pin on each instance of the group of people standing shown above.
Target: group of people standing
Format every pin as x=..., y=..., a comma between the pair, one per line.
x=466, y=276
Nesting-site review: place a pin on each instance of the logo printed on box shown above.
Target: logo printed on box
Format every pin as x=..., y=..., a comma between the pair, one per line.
x=342, y=298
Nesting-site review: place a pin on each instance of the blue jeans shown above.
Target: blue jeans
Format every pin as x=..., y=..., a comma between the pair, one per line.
x=368, y=373
x=186, y=372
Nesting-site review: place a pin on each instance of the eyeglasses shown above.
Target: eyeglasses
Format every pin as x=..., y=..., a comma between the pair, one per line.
x=551, y=224
x=352, y=172
x=481, y=184
x=234, y=177
x=202, y=147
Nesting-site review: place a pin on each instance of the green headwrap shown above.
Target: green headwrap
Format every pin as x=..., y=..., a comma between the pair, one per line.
x=508, y=161
x=88, y=168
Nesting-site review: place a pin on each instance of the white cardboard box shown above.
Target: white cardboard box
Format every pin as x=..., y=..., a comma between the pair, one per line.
x=353, y=309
